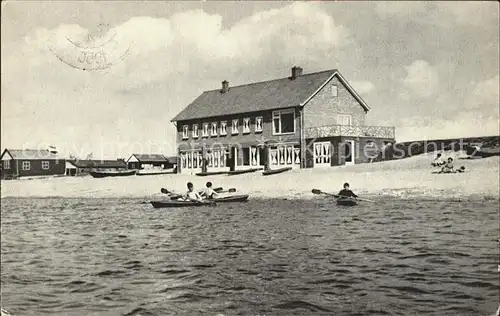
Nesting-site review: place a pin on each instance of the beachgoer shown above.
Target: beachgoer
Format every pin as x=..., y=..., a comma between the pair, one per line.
x=209, y=193
x=191, y=194
x=461, y=169
x=438, y=161
x=448, y=167
x=346, y=192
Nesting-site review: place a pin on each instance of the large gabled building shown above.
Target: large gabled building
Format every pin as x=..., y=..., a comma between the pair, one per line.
x=302, y=121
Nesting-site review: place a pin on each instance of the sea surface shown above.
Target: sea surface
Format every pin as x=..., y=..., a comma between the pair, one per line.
x=69, y=256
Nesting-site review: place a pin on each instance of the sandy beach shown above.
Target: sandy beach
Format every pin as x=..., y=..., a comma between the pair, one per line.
x=406, y=178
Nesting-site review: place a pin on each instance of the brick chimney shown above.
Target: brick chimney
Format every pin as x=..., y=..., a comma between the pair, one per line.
x=225, y=86
x=296, y=72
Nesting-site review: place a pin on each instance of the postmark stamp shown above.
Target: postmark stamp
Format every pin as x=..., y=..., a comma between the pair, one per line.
x=98, y=50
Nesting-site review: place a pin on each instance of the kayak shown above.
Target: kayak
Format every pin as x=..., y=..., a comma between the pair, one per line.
x=346, y=202
x=275, y=171
x=231, y=198
x=177, y=203
x=111, y=173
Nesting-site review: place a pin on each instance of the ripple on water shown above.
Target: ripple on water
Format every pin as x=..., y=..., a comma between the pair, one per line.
x=267, y=257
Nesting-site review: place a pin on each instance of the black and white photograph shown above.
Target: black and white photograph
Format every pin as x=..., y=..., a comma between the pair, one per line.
x=255, y=158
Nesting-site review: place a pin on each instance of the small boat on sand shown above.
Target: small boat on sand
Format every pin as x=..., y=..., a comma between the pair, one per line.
x=275, y=171
x=177, y=203
x=236, y=172
x=111, y=173
x=212, y=173
x=153, y=172
x=482, y=152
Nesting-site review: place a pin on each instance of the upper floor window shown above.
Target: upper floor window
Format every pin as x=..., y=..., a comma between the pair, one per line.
x=343, y=119
x=246, y=125
x=6, y=164
x=185, y=131
x=45, y=165
x=26, y=165
x=214, y=129
x=204, y=132
x=334, y=91
x=196, y=132
x=284, y=122
x=258, y=124
x=235, y=127
x=223, y=128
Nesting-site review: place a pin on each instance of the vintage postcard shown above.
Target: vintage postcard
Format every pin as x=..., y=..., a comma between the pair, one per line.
x=250, y=158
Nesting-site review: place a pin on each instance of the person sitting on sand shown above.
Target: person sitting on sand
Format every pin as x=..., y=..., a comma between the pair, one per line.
x=448, y=167
x=209, y=193
x=438, y=161
x=346, y=192
x=191, y=195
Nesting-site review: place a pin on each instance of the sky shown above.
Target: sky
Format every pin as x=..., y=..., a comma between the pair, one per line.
x=431, y=69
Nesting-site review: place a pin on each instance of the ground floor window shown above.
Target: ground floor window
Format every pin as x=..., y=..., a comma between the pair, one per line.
x=6, y=164
x=45, y=165
x=284, y=155
x=26, y=165
x=322, y=153
x=190, y=160
x=216, y=158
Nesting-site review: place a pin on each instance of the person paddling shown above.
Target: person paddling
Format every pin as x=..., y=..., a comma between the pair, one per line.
x=191, y=195
x=209, y=193
x=346, y=192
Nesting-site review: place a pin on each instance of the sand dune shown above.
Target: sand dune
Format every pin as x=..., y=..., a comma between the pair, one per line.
x=410, y=177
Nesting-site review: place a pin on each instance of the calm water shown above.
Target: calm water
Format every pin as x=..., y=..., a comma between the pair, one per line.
x=279, y=257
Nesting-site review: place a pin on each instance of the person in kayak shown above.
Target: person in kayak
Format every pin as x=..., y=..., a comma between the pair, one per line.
x=209, y=193
x=191, y=194
x=346, y=192
x=448, y=167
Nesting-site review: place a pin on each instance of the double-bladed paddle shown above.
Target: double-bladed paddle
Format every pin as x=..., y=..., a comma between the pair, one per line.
x=317, y=191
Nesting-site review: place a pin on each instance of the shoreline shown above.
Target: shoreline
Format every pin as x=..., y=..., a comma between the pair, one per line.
x=404, y=178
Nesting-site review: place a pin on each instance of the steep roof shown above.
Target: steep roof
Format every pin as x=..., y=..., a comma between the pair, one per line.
x=31, y=154
x=261, y=96
x=150, y=157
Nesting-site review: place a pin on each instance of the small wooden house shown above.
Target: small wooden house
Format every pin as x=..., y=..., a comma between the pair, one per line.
x=150, y=161
x=30, y=162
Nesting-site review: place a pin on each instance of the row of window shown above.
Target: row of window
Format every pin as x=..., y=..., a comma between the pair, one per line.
x=27, y=165
x=283, y=123
x=220, y=128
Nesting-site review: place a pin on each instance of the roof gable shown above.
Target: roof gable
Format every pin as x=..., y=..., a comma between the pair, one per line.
x=346, y=85
x=6, y=155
